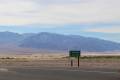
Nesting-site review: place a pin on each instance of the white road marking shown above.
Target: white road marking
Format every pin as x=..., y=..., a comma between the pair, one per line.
x=95, y=71
x=102, y=72
x=3, y=70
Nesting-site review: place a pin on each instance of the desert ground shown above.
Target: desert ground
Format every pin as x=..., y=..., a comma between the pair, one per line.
x=57, y=66
x=87, y=60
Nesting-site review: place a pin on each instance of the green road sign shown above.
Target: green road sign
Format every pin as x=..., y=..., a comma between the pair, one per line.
x=75, y=54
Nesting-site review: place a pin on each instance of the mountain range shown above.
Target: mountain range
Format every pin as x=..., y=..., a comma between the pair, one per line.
x=53, y=41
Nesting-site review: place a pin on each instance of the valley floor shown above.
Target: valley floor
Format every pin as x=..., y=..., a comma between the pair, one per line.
x=58, y=67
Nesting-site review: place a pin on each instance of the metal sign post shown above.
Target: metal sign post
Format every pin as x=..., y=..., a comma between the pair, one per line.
x=75, y=54
x=78, y=61
x=71, y=63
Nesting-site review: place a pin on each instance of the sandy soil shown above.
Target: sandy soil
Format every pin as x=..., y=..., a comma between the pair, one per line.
x=57, y=67
x=56, y=60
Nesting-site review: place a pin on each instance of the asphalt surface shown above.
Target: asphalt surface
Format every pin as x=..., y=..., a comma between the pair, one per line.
x=56, y=74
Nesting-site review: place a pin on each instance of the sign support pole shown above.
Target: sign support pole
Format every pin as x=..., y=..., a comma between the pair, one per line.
x=71, y=63
x=78, y=61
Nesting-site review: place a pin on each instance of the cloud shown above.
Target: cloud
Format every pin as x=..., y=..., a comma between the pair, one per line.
x=58, y=1
x=58, y=12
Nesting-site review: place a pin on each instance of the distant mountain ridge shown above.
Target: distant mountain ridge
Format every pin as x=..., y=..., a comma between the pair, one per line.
x=9, y=37
x=53, y=41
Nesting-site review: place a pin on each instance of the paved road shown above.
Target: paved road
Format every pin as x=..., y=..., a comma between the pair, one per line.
x=56, y=74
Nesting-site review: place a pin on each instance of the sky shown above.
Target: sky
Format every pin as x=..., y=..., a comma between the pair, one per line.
x=91, y=18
